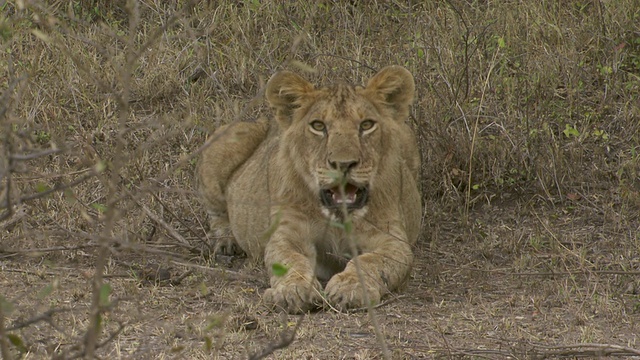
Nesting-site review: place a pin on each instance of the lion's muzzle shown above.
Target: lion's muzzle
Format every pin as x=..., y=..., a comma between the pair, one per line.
x=351, y=196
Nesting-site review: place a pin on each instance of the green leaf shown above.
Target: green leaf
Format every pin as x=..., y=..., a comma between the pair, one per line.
x=6, y=306
x=336, y=176
x=102, y=208
x=336, y=224
x=204, y=290
x=348, y=226
x=177, y=349
x=17, y=342
x=98, y=322
x=46, y=291
x=570, y=131
x=601, y=133
x=100, y=166
x=41, y=187
x=105, y=291
x=208, y=344
x=279, y=270
x=69, y=195
x=214, y=322
x=5, y=30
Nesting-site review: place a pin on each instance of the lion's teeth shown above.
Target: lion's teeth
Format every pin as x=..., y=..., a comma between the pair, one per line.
x=349, y=198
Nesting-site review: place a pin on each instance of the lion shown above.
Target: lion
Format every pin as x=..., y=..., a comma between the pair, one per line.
x=328, y=193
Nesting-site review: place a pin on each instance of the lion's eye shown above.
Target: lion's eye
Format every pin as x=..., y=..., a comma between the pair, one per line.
x=318, y=126
x=367, y=125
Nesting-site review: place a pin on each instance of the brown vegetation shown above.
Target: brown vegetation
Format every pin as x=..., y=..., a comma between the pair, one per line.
x=528, y=121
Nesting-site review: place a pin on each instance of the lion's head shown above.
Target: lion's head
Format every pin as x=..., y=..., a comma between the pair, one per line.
x=337, y=137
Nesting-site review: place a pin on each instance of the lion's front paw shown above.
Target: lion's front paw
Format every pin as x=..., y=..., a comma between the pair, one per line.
x=344, y=291
x=221, y=239
x=225, y=244
x=295, y=295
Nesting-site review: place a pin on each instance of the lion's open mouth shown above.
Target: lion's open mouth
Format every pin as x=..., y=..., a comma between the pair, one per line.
x=352, y=197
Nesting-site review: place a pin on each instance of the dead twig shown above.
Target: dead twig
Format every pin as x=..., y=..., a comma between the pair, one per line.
x=111, y=337
x=286, y=338
x=587, y=350
x=174, y=234
x=35, y=155
x=234, y=275
x=571, y=273
x=49, y=249
x=179, y=219
x=60, y=187
x=4, y=344
x=47, y=317
x=539, y=351
x=383, y=303
x=12, y=216
x=36, y=273
x=506, y=272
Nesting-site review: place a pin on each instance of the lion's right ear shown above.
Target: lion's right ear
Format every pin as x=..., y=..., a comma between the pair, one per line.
x=285, y=91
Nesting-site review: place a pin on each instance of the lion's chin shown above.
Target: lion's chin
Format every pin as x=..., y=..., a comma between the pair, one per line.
x=352, y=197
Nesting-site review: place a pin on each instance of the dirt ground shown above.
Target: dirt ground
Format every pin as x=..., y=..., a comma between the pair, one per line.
x=526, y=114
x=502, y=289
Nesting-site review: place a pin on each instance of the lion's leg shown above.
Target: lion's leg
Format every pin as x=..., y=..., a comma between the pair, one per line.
x=297, y=290
x=220, y=235
x=383, y=269
x=230, y=146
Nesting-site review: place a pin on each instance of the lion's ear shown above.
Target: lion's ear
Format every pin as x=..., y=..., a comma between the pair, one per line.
x=284, y=93
x=394, y=86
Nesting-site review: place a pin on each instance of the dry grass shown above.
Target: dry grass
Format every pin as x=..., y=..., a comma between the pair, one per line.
x=528, y=118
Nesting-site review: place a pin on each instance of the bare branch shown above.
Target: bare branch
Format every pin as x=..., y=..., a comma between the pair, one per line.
x=286, y=339
x=25, y=157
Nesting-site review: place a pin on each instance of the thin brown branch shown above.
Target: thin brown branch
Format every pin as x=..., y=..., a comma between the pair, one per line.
x=571, y=273
x=12, y=216
x=39, y=274
x=60, y=187
x=101, y=344
x=4, y=345
x=47, y=317
x=34, y=155
x=286, y=339
x=173, y=232
x=44, y=250
x=224, y=273
x=540, y=351
x=177, y=218
x=135, y=55
x=597, y=349
x=506, y=272
x=381, y=304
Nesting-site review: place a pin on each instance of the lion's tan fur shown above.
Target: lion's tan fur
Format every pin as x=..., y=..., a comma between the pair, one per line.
x=262, y=181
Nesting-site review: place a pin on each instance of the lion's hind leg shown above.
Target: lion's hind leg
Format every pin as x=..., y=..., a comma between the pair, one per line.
x=230, y=146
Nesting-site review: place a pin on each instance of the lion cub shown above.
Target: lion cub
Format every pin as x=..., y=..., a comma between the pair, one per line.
x=327, y=190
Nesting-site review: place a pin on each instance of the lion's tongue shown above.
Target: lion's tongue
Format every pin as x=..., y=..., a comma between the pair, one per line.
x=349, y=194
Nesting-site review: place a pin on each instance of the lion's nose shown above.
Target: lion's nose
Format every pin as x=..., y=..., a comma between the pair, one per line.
x=343, y=166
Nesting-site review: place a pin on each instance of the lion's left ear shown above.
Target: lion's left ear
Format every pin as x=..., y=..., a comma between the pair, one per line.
x=394, y=86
